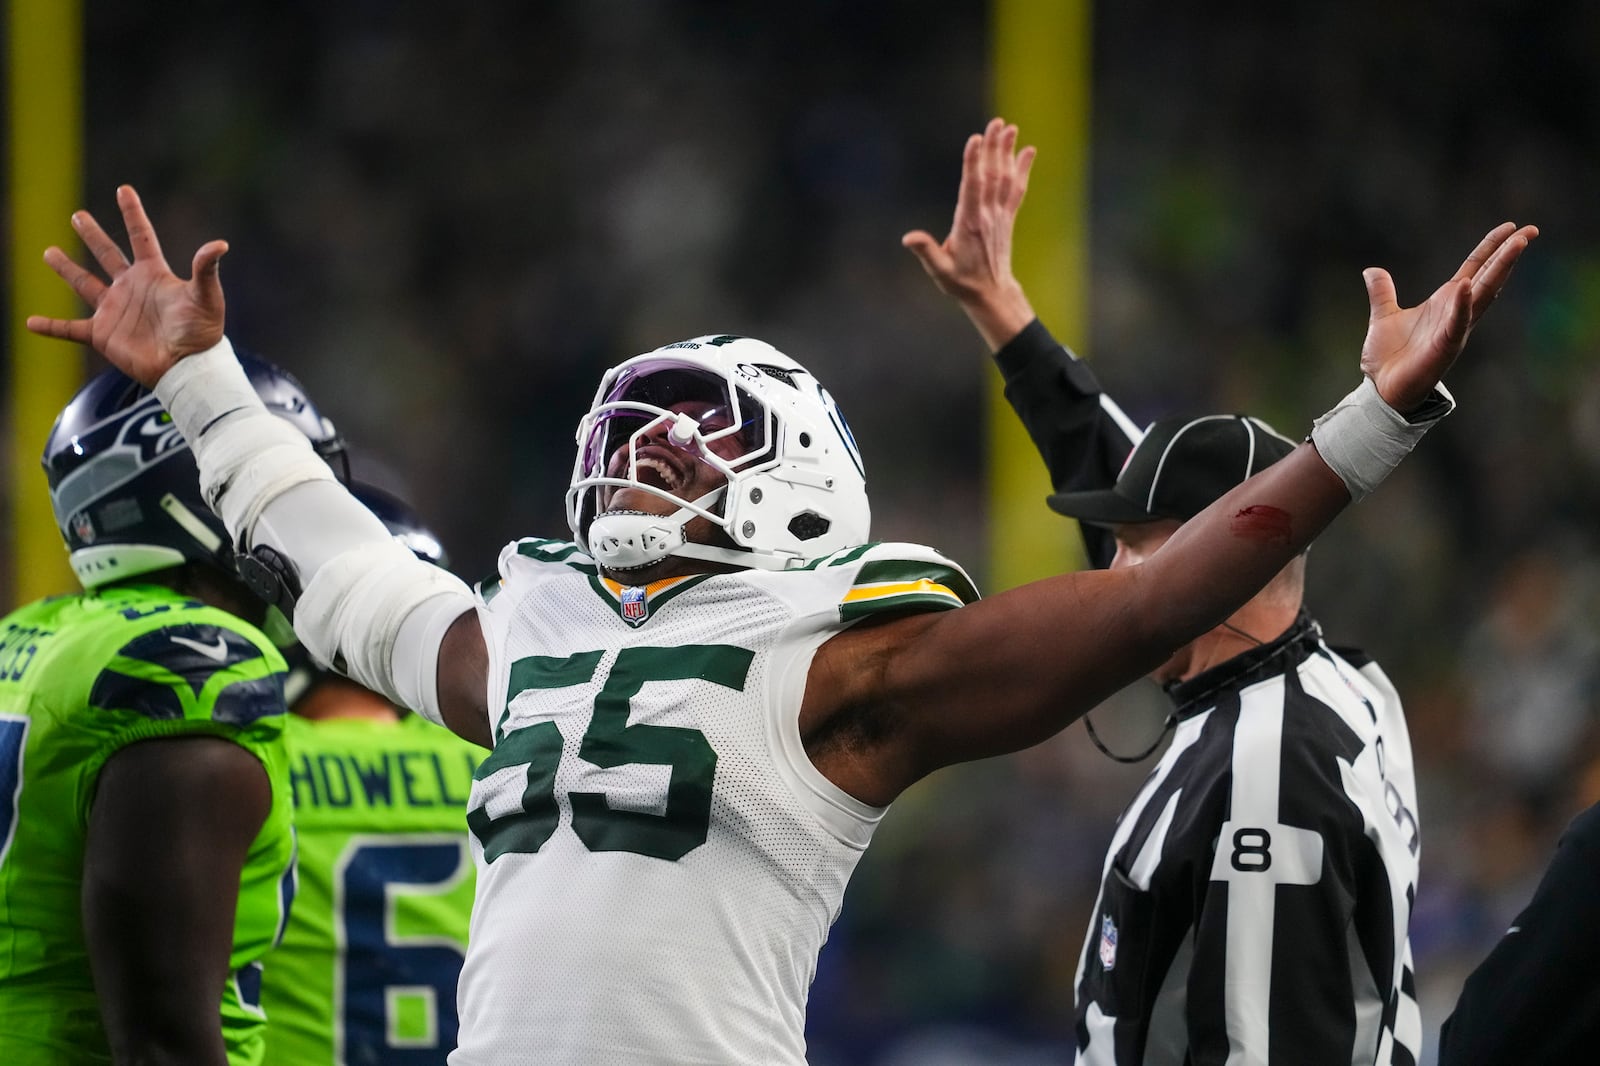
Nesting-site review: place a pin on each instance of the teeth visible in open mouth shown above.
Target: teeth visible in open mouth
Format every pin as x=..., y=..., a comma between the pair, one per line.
x=667, y=476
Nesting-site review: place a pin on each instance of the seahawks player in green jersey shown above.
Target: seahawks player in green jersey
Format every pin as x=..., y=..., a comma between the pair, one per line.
x=369, y=962
x=145, y=840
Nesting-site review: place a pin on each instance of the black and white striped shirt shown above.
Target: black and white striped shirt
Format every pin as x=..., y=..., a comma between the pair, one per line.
x=1255, y=899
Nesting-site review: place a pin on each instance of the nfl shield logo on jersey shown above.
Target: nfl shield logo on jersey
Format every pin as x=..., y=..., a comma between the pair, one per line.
x=634, y=605
x=1108, y=943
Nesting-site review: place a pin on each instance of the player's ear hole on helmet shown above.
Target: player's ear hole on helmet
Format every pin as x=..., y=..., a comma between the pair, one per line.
x=808, y=525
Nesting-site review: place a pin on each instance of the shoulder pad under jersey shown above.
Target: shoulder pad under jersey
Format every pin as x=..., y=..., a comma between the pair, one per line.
x=194, y=670
x=530, y=554
x=897, y=578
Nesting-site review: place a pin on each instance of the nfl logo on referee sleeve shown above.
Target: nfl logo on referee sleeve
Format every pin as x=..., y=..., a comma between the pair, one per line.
x=1108, y=943
x=634, y=605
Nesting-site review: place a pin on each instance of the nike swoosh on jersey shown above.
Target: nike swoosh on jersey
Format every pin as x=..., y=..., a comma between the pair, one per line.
x=217, y=652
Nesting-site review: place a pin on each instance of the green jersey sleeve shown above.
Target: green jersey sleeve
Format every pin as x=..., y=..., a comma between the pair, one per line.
x=894, y=578
x=90, y=675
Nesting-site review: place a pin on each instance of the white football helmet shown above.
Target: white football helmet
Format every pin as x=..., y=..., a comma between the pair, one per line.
x=796, y=489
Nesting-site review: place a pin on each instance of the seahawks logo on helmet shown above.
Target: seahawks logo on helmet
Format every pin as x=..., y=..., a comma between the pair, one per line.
x=123, y=482
x=152, y=433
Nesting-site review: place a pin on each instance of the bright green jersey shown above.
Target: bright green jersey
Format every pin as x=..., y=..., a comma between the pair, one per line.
x=368, y=966
x=82, y=677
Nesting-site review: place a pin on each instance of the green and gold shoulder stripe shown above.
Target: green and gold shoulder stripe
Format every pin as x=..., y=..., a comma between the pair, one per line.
x=897, y=584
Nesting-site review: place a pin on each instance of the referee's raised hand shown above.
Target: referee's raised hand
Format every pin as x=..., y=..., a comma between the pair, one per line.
x=1408, y=349
x=973, y=263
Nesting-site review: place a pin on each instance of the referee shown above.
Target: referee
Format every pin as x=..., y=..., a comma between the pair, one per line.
x=1256, y=895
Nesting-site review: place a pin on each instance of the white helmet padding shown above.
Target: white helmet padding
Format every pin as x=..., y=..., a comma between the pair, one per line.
x=795, y=490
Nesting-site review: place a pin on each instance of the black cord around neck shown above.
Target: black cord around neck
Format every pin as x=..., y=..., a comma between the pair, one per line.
x=1235, y=629
x=1166, y=727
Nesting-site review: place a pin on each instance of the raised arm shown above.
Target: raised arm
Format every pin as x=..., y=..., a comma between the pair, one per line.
x=1081, y=433
x=1011, y=670
x=146, y=318
x=973, y=263
x=368, y=606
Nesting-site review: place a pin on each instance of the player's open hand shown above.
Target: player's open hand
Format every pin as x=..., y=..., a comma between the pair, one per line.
x=973, y=263
x=1408, y=349
x=145, y=318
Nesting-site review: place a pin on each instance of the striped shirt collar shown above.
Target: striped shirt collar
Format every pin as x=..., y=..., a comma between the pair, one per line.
x=1198, y=693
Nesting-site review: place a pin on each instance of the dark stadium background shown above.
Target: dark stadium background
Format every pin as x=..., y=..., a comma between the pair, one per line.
x=449, y=218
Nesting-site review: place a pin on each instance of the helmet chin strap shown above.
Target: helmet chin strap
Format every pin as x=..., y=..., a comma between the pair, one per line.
x=633, y=540
x=743, y=558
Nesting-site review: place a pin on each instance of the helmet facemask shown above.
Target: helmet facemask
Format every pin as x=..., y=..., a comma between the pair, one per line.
x=793, y=487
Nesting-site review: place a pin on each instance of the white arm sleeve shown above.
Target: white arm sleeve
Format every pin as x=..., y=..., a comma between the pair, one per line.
x=247, y=456
x=369, y=607
x=361, y=587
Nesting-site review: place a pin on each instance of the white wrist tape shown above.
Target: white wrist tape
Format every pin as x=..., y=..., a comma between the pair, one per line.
x=355, y=605
x=247, y=455
x=201, y=388
x=1362, y=438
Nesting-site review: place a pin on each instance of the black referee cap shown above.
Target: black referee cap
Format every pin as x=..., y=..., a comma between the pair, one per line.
x=1180, y=467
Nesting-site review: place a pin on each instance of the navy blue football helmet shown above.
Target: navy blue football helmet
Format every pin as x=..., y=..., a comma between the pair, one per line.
x=403, y=522
x=124, y=485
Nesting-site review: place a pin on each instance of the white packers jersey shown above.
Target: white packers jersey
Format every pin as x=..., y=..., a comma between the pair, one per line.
x=658, y=861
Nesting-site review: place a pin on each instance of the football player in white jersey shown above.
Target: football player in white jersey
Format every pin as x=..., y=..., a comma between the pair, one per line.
x=700, y=706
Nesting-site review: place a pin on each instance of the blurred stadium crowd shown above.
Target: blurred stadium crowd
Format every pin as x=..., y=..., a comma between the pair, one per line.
x=448, y=219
